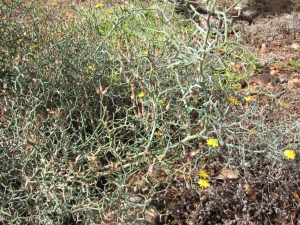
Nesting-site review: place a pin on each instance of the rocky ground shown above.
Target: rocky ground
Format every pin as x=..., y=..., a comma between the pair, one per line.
x=275, y=38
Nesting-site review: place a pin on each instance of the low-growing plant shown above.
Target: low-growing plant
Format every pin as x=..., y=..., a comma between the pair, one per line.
x=295, y=64
x=108, y=110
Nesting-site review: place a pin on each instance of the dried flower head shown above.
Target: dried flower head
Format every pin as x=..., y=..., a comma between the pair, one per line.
x=289, y=154
x=212, y=142
x=203, y=183
x=132, y=86
x=92, y=159
x=203, y=174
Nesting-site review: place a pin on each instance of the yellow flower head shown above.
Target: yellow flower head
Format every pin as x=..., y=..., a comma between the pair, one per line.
x=203, y=174
x=100, y=31
x=158, y=133
x=160, y=156
x=53, y=3
x=238, y=87
x=33, y=47
x=141, y=95
x=203, y=183
x=99, y=5
x=145, y=52
x=161, y=37
x=212, y=142
x=289, y=154
x=234, y=100
x=248, y=98
x=283, y=104
x=161, y=101
x=91, y=68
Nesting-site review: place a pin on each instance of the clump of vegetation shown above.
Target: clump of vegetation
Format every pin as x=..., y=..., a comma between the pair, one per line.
x=109, y=111
x=295, y=64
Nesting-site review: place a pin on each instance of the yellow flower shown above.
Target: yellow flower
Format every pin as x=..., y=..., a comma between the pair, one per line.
x=145, y=52
x=161, y=101
x=100, y=31
x=247, y=98
x=234, y=100
x=212, y=142
x=141, y=95
x=99, y=5
x=290, y=154
x=91, y=68
x=53, y=3
x=203, y=183
x=160, y=156
x=33, y=47
x=161, y=37
x=238, y=87
x=203, y=174
x=283, y=104
x=158, y=133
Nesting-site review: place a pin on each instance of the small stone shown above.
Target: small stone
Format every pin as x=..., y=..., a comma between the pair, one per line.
x=273, y=72
x=250, y=13
x=295, y=45
x=289, y=17
x=272, y=57
x=283, y=80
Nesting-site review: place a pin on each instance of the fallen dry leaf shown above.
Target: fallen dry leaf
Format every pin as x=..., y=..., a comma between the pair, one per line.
x=227, y=174
x=250, y=191
x=294, y=194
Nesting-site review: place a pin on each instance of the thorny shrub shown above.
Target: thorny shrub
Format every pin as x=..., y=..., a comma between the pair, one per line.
x=106, y=111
